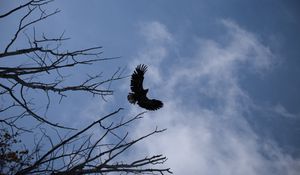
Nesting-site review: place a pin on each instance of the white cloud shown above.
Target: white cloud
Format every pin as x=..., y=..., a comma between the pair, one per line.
x=282, y=111
x=248, y=48
x=155, y=33
x=157, y=40
x=201, y=139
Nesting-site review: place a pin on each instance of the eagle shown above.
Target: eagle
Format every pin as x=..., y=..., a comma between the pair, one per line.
x=139, y=94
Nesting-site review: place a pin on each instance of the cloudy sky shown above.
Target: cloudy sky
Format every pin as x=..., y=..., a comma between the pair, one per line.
x=227, y=72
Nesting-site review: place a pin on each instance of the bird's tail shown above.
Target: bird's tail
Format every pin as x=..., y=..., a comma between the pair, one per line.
x=131, y=98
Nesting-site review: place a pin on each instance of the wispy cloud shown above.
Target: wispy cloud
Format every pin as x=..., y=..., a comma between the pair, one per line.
x=282, y=111
x=157, y=41
x=204, y=105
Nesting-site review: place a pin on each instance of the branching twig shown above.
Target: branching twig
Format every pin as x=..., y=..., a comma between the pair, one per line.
x=41, y=66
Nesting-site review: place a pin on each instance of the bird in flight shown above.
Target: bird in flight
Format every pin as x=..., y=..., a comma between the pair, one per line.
x=139, y=94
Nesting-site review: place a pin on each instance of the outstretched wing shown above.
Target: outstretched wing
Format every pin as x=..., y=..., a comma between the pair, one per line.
x=152, y=104
x=137, y=78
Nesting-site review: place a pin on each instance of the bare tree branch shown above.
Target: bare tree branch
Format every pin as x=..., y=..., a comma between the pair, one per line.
x=18, y=52
x=24, y=105
x=40, y=68
x=23, y=26
x=16, y=9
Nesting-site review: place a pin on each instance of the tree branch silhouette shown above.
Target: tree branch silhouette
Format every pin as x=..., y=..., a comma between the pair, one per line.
x=40, y=68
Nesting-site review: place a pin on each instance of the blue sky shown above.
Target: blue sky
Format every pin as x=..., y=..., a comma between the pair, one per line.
x=227, y=72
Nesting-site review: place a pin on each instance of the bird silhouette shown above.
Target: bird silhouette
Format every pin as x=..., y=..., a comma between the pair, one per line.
x=139, y=94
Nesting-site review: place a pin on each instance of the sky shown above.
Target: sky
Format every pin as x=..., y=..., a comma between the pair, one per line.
x=226, y=71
